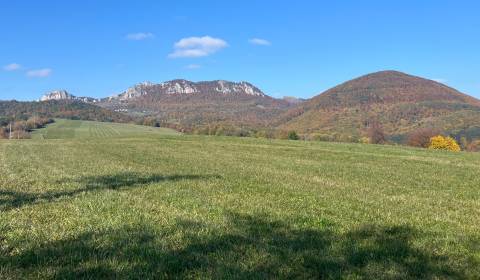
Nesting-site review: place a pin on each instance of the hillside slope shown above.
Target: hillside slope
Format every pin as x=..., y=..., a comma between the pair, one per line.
x=199, y=103
x=190, y=104
x=70, y=109
x=400, y=102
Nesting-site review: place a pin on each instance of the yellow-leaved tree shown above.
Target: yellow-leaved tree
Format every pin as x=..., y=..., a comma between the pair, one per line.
x=444, y=143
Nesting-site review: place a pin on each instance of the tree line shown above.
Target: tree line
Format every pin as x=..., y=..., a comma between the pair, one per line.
x=20, y=129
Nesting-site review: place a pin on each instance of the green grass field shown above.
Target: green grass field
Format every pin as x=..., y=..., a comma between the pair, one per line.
x=69, y=129
x=177, y=206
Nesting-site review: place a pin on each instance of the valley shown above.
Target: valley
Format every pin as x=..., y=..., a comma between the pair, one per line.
x=330, y=140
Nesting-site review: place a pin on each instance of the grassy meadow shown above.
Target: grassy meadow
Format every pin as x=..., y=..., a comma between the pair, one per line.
x=76, y=129
x=95, y=200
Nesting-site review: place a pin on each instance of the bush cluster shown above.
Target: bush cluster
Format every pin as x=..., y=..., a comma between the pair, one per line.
x=473, y=146
x=421, y=137
x=440, y=142
x=20, y=129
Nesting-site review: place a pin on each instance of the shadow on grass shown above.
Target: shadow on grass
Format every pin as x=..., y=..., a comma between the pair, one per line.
x=252, y=247
x=14, y=199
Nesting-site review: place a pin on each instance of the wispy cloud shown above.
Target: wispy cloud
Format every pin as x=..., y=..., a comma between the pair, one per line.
x=39, y=73
x=12, y=67
x=197, y=47
x=193, y=66
x=139, y=36
x=259, y=42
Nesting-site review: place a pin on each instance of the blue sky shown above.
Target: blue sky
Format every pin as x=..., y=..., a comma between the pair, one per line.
x=286, y=48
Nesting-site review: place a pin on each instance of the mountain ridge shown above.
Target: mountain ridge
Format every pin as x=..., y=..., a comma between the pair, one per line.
x=187, y=104
x=399, y=101
x=177, y=86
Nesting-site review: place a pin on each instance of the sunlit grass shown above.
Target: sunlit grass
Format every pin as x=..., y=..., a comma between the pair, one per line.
x=68, y=129
x=158, y=206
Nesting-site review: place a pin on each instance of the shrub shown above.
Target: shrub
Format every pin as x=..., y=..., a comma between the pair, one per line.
x=376, y=134
x=322, y=137
x=241, y=132
x=365, y=140
x=20, y=134
x=151, y=122
x=292, y=135
x=265, y=134
x=474, y=146
x=36, y=122
x=463, y=143
x=421, y=137
x=3, y=133
x=444, y=143
x=281, y=134
x=220, y=131
x=20, y=126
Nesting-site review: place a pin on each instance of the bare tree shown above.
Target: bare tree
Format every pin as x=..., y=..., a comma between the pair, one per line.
x=421, y=137
x=376, y=133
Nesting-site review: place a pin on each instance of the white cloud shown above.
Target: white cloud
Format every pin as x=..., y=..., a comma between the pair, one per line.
x=139, y=36
x=193, y=66
x=259, y=42
x=12, y=67
x=39, y=73
x=197, y=47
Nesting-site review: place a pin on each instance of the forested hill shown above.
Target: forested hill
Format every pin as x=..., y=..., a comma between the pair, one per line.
x=69, y=109
x=401, y=103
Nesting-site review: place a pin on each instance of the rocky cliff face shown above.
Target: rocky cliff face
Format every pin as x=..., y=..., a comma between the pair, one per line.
x=136, y=91
x=57, y=95
x=64, y=95
x=184, y=87
x=175, y=87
